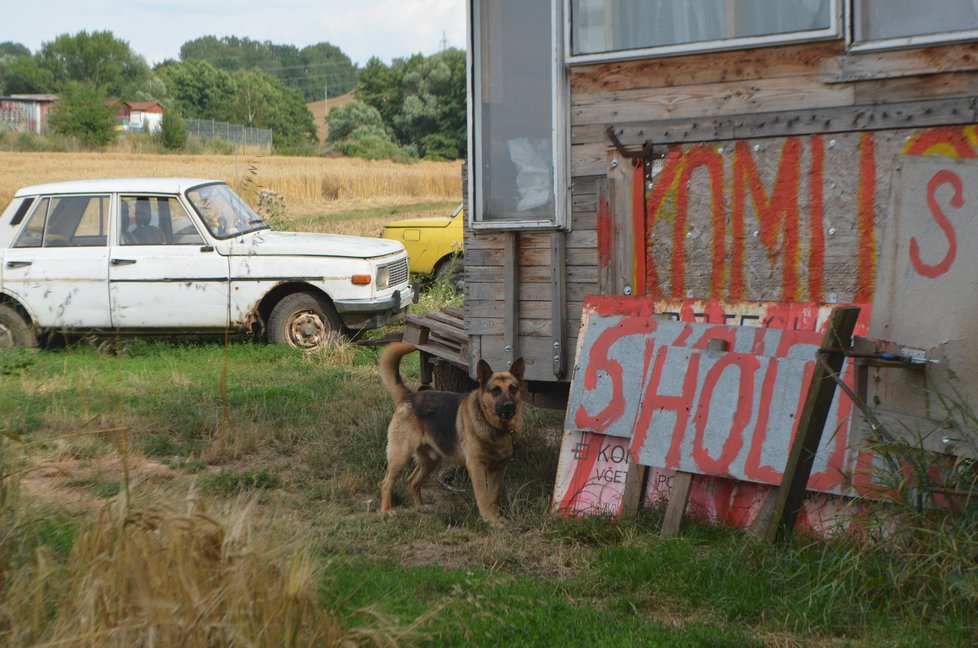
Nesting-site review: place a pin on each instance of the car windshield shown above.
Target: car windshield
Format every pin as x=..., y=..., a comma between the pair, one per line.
x=223, y=211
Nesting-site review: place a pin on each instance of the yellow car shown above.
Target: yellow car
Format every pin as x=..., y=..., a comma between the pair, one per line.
x=434, y=245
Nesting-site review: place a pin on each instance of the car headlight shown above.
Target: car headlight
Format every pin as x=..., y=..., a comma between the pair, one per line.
x=383, y=277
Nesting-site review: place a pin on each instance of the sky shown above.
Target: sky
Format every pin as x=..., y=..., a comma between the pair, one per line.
x=156, y=29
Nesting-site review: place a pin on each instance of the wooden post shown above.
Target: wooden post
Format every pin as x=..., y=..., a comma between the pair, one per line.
x=558, y=298
x=631, y=495
x=682, y=484
x=511, y=288
x=814, y=414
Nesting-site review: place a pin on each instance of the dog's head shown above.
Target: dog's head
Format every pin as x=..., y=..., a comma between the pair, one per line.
x=500, y=393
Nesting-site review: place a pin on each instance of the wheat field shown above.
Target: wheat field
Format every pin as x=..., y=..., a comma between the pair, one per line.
x=310, y=185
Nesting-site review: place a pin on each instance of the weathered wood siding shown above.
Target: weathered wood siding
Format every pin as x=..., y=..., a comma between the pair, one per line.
x=772, y=180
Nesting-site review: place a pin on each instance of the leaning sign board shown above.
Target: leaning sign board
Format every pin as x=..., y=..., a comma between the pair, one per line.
x=701, y=387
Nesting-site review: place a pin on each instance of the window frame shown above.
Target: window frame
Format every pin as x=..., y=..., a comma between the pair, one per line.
x=834, y=31
x=940, y=38
x=560, y=128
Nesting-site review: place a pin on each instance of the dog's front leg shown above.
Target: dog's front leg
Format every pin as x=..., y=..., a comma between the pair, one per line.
x=482, y=487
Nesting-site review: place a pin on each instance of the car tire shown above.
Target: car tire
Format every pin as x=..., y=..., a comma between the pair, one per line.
x=451, y=271
x=303, y=321
x=15, y=329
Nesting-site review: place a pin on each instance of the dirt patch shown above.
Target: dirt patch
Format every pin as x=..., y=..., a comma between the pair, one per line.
x=69, y=482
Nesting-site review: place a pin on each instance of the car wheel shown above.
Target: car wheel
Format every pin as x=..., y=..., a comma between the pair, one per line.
x=452, y=272
x=15, y=330
x=303, y=321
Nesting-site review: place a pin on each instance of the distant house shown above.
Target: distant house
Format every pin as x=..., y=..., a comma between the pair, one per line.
x=25, y=113
x=138, y=115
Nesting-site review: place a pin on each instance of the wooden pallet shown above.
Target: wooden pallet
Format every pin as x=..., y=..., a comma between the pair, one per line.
x=440, y=335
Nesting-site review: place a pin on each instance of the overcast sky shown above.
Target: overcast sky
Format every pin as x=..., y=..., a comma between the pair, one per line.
x=157, y=28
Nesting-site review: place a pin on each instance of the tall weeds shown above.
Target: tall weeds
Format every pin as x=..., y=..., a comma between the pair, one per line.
x=165, y=577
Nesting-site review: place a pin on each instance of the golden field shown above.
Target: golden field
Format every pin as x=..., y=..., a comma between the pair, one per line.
x=312, y=187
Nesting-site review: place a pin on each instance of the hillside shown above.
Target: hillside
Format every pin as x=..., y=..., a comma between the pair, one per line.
x=319, y=108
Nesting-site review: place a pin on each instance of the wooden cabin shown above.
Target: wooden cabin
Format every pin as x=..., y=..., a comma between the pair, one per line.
x=729, y=150
x=714, y=154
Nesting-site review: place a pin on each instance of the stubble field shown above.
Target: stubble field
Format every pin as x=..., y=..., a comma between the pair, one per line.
x=316, y=190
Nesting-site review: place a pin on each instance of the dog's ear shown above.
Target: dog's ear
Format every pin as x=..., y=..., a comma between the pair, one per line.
x=517, y=369
x=483, y=373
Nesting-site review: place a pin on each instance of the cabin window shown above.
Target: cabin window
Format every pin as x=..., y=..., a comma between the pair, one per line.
x=517, y=169
x=895, y=23
x=603, y=29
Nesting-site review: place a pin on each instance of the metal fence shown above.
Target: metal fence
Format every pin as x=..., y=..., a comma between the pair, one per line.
x=233, y=133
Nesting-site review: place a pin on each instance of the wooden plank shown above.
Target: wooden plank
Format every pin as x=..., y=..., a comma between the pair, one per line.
x=528, y=309
x=483, y=292
x=541, y=274
x=682, y=484
x=511, y=308
x=789, y=61
x=913, y=114
x=764, y=95
x=535, y=351
x=631, y=496
x=961, y=84
x=588, y=158
x=558, y=300
x=811, y=422
x=873, y=66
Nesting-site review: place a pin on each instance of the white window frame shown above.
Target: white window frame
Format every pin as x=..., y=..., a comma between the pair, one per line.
x=833, y=32
x=903, y=42
x=560, y=132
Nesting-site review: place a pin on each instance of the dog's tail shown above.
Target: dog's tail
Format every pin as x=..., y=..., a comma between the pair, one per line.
x=390, y=362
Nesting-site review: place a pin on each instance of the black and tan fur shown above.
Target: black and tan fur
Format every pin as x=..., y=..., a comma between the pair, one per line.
x=475, y=430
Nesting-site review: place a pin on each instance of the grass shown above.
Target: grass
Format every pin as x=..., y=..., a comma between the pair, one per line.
x=184, y=492
x=296, y=461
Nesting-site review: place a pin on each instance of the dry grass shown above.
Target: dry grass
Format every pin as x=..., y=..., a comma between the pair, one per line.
x=161, y=576
x=310, y=185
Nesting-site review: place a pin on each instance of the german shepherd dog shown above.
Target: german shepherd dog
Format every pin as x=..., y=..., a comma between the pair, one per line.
x=475, y=430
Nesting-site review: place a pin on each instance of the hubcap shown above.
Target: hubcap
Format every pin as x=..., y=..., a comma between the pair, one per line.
x=307, y=330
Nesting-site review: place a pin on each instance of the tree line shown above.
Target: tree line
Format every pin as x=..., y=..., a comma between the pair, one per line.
x=410, y=108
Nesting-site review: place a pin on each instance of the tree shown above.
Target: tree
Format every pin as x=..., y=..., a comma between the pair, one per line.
x=358, y=130
x=310, y=70
x=325, y=68
x=351, y=116
x=81, y=112
x=99, y=58
x=23, y=75
x=262, y=101
x=422, y=100
x=202, y=90
x=173, y=130
x=10, y=48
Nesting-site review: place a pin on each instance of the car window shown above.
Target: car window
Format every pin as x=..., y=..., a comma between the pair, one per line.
x=224, y=213
x=33, y=233
x=156, y=220
x=67, y=221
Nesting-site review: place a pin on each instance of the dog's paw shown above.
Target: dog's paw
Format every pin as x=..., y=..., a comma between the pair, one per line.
x=497, y=523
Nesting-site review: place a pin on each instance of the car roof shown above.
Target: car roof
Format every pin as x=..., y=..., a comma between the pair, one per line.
x=109, y=185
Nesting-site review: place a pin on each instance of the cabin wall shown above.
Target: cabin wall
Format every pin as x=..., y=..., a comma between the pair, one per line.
x=768, y=179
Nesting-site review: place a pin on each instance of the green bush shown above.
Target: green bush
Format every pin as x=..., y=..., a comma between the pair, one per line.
x=81, y=112
x=173, y=131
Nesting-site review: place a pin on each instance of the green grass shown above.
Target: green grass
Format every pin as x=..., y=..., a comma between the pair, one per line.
x=303, y=437
x=228, y=482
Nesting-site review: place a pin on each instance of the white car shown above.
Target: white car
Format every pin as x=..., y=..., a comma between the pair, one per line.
x=180, y=255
